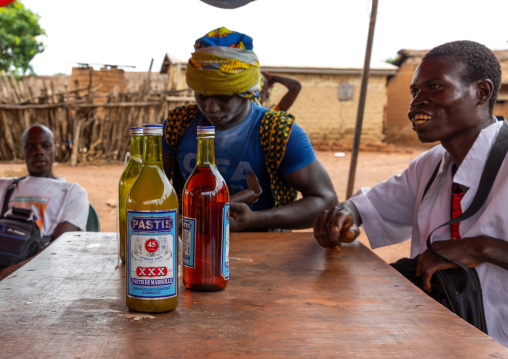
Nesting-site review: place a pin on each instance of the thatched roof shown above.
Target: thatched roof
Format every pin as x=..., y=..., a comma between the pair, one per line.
x=166, y=64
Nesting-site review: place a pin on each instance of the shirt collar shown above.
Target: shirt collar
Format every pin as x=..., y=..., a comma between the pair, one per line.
x=471, y=168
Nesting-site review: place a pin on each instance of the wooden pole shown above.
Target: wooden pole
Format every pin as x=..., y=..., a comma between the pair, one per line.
x=361, y=103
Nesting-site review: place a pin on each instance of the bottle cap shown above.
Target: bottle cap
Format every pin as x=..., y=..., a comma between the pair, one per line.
x=152, y=130
x=207, y=131
x=136, y=131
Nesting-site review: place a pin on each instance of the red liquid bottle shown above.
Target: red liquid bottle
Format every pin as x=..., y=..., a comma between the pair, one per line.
x=205, y=229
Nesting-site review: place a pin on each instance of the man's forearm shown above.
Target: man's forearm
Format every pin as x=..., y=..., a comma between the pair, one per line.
x=297, y=215
x=494, y=251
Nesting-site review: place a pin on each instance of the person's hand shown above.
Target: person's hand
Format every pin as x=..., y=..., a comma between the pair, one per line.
x=460, y=250
x=240, y=216
x=336, y=226
x=252, y=193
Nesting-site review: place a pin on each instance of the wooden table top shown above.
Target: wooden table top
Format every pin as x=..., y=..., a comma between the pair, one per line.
x=287, y=297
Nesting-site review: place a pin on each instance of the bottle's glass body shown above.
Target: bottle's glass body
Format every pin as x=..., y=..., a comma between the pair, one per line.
x=205, y=228
x=129, y=175
x=151, y=269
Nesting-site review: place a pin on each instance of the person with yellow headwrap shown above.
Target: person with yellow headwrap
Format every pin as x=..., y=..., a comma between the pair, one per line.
x=250, y=139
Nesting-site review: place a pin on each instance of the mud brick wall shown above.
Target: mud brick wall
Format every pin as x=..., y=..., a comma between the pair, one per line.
x=108, y=78
x=330, y=123
x=105, y=81
x=398, y=126
x=58, y=84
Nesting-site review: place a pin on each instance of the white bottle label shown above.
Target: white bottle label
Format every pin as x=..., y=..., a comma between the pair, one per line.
x=189, y=242
x=152, y=258
x=225, y=242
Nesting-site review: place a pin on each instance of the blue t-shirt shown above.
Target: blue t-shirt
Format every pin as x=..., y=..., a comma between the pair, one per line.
x=238, y=151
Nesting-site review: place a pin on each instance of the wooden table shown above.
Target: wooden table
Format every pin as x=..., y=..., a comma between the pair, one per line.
x=287, y=297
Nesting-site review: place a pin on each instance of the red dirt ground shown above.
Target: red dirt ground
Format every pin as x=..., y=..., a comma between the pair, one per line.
x=101, y=182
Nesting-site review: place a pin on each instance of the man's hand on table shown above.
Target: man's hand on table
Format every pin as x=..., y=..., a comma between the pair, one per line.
x=337, y=225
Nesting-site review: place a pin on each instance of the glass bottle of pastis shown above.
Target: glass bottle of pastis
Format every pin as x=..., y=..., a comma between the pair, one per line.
x=129, y=175
x=205, y=228
x=152, y=230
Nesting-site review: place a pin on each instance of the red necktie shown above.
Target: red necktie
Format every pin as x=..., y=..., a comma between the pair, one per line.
x=457, y=194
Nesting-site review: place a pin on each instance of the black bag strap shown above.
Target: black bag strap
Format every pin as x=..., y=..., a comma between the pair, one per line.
x=494, y=161
x=431, y=180
x=8, y=194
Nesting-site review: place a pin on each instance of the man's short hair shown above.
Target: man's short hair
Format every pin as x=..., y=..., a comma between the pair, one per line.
x=480, y=61
x=43, y=127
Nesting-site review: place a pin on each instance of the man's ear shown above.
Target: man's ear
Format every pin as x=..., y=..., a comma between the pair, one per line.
x=484, y=91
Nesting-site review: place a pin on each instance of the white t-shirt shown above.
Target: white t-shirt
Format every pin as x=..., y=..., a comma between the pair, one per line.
x=53, y=201
x=393, y=211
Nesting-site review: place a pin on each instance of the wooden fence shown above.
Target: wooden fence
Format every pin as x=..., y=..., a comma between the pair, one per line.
x=88, y=126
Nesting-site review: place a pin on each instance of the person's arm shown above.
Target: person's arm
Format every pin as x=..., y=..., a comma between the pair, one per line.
x=471, y=251
x=75, y=212
x=63, y=227
x=317, y=194
x=293, y=89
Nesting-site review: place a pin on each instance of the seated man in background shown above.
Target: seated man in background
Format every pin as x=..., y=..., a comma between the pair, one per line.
x=454, y=91
x=293, y=89
x=224, y=74
x=58, y=206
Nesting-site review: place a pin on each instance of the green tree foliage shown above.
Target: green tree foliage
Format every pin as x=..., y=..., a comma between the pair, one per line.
x=19, y=28
x=390, y=60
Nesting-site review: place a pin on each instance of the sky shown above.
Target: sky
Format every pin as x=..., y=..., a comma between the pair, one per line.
x=299, y=33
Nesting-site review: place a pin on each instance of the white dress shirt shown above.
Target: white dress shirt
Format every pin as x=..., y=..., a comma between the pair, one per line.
x=393, y=211
x=52, y=200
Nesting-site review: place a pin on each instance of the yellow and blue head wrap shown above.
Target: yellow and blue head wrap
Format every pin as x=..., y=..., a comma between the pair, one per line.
x=224, y=64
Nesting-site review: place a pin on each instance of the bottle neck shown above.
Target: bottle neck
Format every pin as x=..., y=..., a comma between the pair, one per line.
x=153, y=151
x=137, y=146
x=206, y=151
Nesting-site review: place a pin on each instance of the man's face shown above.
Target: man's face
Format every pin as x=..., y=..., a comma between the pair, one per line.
x=224, y=112
x=39, y=151
x=443, y=107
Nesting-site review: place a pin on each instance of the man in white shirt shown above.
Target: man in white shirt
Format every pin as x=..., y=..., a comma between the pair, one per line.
x=454, y=90
x=58, y=206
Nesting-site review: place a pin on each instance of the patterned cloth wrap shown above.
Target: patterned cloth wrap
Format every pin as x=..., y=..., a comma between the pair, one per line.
x=224, y=64
x=273, y=133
